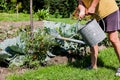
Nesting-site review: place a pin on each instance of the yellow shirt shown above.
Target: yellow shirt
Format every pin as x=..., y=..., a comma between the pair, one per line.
x=104, y=8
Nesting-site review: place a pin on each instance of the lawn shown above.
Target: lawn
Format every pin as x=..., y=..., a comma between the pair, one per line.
x=14, y=17
x=107, y=65
x=26, y=17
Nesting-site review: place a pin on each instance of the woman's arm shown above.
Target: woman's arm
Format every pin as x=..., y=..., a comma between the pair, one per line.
x=82, y=9
x=95, y=3
x=93, y=6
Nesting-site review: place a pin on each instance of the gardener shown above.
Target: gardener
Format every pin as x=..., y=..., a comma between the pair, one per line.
x=109, y=11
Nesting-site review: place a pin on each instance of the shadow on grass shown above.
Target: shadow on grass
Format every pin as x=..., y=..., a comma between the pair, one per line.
x=85, y=61
x=80, y=61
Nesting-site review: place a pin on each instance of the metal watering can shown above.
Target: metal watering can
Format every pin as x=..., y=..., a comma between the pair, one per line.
x=92, y=33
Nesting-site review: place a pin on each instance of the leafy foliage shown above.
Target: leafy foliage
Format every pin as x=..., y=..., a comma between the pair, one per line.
x=37, y=47
x=3, y=5
x=42, y=14
x=118, y=2
x=69, y=31
x=24, y=48
x=10, y=49
x=63, y=7
x=39, y=44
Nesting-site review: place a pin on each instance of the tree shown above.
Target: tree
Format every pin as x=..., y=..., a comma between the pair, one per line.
x=64, y=7
x=3, y=5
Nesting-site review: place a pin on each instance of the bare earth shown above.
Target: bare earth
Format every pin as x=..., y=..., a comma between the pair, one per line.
x=6, y=25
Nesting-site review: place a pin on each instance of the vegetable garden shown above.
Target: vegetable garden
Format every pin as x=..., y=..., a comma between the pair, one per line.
x=22, y=48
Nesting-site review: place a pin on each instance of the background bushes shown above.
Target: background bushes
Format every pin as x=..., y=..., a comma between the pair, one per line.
x=62, y=7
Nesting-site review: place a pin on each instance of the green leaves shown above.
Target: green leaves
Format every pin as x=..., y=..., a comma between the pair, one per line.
x=61, y=8
x=14, y=1
x=39, y=44
x=42, y=14
x=118, y=2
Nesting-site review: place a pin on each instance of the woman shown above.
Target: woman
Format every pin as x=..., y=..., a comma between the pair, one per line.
x=109, y=11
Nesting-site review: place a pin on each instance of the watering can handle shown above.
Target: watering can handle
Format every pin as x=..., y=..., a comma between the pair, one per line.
x=97, y=16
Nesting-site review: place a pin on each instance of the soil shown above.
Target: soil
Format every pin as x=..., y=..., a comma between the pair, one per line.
x=7, y=25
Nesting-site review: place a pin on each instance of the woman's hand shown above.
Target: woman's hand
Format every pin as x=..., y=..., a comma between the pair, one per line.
x=91, y=10
x=82, y=11
x=81, y=15
x=93, y=6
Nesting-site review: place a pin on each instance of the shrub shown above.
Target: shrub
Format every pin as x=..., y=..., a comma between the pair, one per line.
x=39, y=44
x=42, y=14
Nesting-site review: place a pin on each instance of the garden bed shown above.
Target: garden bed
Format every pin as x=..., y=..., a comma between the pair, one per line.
x=10, y=28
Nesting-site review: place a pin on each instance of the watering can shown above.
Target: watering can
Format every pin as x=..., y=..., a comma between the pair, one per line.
x=92, y=33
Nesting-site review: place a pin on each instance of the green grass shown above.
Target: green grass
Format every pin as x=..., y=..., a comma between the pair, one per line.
x=65, y=20
x=107, y=65
x=26, y=17
x=15, y=17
